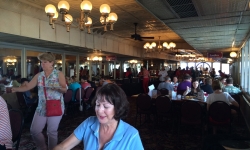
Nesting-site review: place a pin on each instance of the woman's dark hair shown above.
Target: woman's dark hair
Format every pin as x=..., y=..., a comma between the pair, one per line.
x=113, y=94
x=196, y=80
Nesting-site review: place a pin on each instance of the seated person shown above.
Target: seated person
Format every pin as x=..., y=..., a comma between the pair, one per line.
x=207, y=87
x=230, y=88
x=29, y=98
x=175, y=81
x=84, y=82
x=202, y=81
x=104, y=81
x=167, y=85
x=182, y=87
x=15, y=83
x=223, y=81
x=5, y=129
x=106, y=130
x=30, y=76
x=194, y=90
x=74, y=86
x=218, y=95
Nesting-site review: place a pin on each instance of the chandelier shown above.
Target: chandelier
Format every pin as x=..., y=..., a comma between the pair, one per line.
x=94, y=58
x=160, y=48
x=106, y=18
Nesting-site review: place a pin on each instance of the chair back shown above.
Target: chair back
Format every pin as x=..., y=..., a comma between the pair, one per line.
x=21, y=99
x=79, y=94
x=143, y=102
x=68, y=96
x=164, y=91
x=191, y=112
x=236, y=97
x=219, y=112
x=126, y=80
x=88, y=93
x=163, y=104
x=16, y=122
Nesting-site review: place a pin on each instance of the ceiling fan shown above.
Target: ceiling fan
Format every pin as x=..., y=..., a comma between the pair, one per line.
x=138, y=36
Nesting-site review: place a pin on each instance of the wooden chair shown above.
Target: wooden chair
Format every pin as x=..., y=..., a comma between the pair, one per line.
x=191, y=115
x=16, y=122
x=143, y=106
x=219, y=115
x=163, y=107
x=164, y=91
x=67, y=99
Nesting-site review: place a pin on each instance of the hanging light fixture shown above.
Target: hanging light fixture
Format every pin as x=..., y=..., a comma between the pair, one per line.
x=160, y=48
x=233, y=54
x=107, y=18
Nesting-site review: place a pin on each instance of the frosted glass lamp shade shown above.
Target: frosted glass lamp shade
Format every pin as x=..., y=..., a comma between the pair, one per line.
x=86, y=5
x=104, y=8
x=63, y=5
x=68, y=18
x=50, y=8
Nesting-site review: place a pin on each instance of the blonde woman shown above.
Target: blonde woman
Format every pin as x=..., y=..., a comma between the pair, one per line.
x=55, y=85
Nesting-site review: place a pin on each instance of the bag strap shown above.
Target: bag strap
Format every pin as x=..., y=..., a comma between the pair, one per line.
x=44, y=89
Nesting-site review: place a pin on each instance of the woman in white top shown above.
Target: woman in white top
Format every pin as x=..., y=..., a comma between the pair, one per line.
x=175, y=81
x=218, y=95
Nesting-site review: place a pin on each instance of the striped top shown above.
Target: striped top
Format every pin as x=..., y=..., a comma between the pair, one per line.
x=5, y=129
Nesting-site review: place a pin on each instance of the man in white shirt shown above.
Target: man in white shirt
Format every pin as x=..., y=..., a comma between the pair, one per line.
x=162, y=74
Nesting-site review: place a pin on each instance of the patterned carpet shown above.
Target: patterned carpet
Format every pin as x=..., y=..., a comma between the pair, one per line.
x=163, y=136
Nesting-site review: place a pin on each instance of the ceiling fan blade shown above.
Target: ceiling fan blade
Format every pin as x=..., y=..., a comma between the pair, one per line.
x=148, y=37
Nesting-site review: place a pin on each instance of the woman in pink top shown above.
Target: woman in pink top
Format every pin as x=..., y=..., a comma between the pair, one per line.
x=145, y=81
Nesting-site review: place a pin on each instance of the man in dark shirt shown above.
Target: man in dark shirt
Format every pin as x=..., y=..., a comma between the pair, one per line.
x=182, y=87
x=207, y=87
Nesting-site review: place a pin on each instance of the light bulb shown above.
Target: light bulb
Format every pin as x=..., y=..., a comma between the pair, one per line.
x=86, y=5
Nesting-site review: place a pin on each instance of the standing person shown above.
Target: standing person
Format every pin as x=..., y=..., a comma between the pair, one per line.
x=146, y=75
x=55, y=85
x=162, y=74
x=128, y=73
x=106, y=130
x=5, y=128
x=212, y=73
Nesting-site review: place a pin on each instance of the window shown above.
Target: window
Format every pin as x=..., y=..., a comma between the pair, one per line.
x=216, y=66
x=183, y=65
x=191, y=64
x=225, y=68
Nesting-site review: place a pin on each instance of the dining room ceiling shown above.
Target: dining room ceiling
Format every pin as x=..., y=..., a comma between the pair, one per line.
x=194, y=25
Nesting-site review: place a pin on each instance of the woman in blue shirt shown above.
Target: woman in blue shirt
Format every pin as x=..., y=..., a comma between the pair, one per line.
x=106, y=130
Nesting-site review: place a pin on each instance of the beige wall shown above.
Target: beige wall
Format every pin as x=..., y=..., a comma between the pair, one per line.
x=18, y=18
